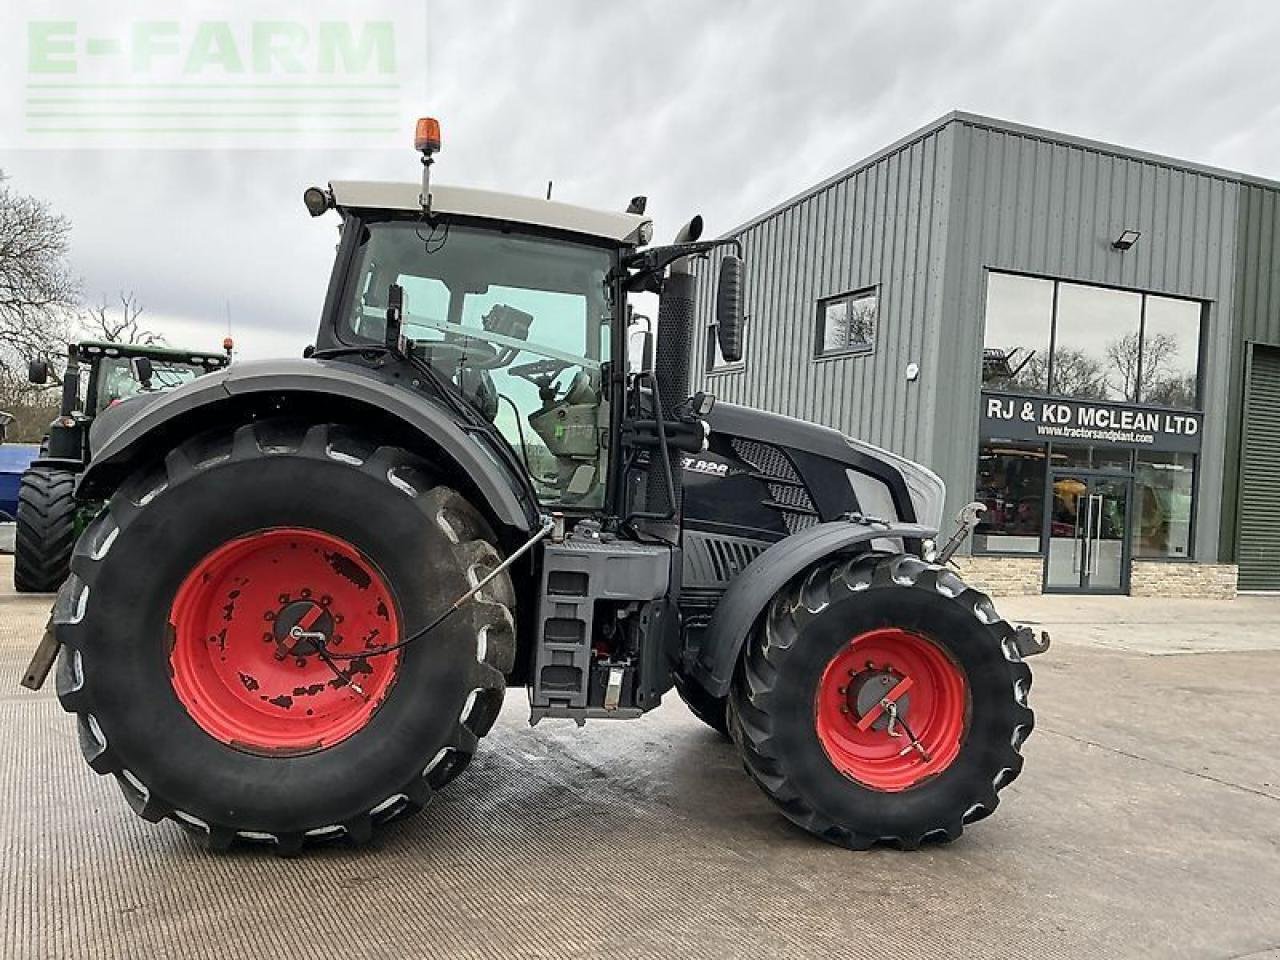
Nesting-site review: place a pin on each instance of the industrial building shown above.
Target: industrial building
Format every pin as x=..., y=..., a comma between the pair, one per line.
x=1084, y=337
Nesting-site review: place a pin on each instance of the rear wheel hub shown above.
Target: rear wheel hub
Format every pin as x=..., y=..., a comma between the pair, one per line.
x=892, y=709
x=867, y=689
x=263, y=630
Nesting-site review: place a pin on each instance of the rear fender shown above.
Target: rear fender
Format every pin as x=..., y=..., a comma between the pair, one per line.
x=367, y=396
x=750, y=593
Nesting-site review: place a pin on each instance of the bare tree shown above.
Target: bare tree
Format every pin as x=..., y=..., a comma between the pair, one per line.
x=37, y=292
x=1077, y=374
x=122, y=327
x=1122, y=354
x=849, y=323
x=33, y=409
x=1161, y=382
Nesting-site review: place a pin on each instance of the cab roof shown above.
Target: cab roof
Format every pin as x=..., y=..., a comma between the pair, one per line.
x=626, y=228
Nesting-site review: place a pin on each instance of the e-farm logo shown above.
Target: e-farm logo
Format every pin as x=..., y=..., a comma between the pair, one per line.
x=197, y=76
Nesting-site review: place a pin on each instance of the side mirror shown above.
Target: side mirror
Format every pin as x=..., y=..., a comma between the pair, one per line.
x=38, y=372
x=729, y=308
x=144, y=371
x=639, y=345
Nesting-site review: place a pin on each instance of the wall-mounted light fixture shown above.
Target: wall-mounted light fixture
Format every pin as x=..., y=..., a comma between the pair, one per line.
x=1126, y=239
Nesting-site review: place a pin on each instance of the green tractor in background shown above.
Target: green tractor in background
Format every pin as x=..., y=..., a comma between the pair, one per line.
x=119, y=375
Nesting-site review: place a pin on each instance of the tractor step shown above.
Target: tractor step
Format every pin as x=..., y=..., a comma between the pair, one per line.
x=586, y=576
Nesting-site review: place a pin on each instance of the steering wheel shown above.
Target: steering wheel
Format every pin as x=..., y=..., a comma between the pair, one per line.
x=540, y=372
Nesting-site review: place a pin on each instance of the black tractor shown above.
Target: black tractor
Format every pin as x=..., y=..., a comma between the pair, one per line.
x=99, y=378
x=314, y=579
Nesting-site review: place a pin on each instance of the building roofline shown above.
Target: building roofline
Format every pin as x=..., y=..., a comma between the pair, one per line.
x=881, y=154
x=1004, y=126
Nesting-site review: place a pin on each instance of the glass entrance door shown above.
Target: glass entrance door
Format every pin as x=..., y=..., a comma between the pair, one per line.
x=1088, y=533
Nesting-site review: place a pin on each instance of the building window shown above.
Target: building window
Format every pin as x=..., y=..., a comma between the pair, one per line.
x=1095, y=344
x=1170, y=353
x=715, y=361
x=1090, y=343
x=1011, y=484
x=1015, y=352
x=1164, y=488
x=847, y=324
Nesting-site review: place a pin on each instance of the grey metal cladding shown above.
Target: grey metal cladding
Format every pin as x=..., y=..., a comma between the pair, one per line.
x=1256, y=317
x=880, y=225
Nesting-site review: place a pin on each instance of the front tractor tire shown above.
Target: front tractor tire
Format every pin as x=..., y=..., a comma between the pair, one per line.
x=220, y=625
x=709, y=709
x=880, y=700
x=45, y=531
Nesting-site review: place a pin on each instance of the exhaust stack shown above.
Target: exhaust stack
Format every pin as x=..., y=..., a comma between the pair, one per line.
x=671, y=363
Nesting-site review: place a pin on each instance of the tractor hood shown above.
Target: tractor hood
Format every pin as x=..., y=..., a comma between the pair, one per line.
x=885, y=484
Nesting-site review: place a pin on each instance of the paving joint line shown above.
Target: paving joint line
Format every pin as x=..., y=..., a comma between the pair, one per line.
x=1159, y=763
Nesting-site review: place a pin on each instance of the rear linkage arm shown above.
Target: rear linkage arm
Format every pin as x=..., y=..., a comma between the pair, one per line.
x=1024, y=638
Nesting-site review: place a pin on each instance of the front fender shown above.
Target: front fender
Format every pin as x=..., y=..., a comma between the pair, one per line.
x=170, y=418
x=752, y=590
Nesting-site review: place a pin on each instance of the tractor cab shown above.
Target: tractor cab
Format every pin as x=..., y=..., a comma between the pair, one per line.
x=519, y=305
x=115, y=372
x=519, y=319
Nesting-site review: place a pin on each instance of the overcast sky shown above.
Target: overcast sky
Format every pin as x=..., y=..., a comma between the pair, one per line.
x=724, y=108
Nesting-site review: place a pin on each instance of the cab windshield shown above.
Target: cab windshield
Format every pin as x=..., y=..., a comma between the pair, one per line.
x=118, y=378
x=519, y=324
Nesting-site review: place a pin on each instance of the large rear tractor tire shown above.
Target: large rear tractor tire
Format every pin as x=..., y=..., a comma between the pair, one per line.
x=220, y=630
x=46, y=530
x=881, y=700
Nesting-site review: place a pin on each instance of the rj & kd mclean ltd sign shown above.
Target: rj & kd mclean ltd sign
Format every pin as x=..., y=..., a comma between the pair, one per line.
x=1013, y=417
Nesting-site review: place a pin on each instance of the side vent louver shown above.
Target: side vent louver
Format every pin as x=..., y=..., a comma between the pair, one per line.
x=787, y=491
x=730, y=557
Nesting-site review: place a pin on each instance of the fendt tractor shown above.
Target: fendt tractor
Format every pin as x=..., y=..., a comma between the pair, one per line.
x=313, y=579
x=97, y=378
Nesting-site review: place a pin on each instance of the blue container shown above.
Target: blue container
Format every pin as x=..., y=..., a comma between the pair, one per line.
x=14, y=458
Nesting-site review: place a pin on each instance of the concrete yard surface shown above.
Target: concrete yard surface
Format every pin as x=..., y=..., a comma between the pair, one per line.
x=1146, y=824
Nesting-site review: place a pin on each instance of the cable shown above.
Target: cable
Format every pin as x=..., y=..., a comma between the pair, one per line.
x=547, y=524
x=431, y=243
x=524, y=447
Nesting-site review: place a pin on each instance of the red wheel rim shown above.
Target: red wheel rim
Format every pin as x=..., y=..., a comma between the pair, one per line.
x=927, y=688
x=240, y=673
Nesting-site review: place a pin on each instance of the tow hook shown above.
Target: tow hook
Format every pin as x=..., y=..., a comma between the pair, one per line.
x=1028, y=643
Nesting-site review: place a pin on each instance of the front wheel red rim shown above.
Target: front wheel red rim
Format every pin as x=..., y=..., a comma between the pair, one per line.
x=892, y=709
x=249, y=625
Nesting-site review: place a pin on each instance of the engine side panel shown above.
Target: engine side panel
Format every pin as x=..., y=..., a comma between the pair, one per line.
x=765, y=478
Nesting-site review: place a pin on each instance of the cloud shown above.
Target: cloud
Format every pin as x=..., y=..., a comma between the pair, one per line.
x=723, y=108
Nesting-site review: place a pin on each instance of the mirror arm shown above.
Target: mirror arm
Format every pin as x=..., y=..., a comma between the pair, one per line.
x=650, y=263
